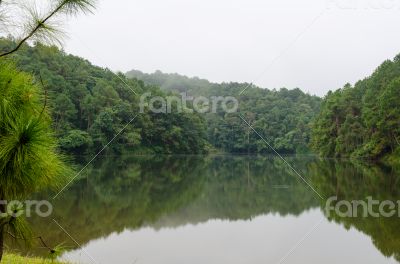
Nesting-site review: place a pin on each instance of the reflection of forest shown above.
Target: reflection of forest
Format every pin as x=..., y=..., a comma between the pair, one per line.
x=132, y=192
x=350, y=181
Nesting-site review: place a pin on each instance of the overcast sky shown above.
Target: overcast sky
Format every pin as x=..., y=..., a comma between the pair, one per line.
x=316, y=45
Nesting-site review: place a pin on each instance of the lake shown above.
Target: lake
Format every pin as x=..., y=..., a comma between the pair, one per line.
x=221, y=209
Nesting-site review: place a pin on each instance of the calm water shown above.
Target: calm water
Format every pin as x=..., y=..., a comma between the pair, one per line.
x=221, y=209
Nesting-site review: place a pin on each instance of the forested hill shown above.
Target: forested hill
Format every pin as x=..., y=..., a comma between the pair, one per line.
x=90, y=105
x=362, y=120
x=175, y=82
x=283, y=117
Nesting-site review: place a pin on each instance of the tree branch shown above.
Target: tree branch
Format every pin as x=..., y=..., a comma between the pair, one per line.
x=39, y=25
x=45, y=96
x=39, y=237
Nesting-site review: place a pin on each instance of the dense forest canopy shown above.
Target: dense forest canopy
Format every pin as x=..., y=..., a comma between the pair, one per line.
x=90, y=105
x=283, y=117
x=362, y=120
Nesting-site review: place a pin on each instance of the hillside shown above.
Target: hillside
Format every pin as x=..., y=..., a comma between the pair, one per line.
x=283, y=117
x=362, y=120
x=90, y=105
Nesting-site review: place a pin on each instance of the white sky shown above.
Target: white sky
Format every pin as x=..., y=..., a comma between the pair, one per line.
x=237, y=40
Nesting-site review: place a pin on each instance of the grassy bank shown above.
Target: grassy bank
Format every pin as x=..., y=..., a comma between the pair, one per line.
x=9, y=258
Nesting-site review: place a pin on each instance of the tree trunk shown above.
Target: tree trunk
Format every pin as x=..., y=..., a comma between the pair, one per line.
x=2, y=210
x=337, y=125
x=395, y=138
x=1, y=242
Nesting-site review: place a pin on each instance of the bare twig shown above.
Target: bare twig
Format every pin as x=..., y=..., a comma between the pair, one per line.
x=39, y=237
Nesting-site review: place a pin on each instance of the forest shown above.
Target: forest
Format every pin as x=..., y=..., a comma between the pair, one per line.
x=362, y=121
x=80, y=139
x=282, y=117
x=90, y=105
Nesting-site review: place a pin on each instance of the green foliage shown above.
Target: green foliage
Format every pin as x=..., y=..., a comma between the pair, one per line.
x=282, y=117
x=29, y=159
x=29, y=21
x=21, y=230
x=364, y=120
x=76, y=141
x=57, y=252
x=16, y=259
x=90, y=105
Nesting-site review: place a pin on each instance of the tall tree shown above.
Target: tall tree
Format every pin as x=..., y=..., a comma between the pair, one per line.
x=29, y=159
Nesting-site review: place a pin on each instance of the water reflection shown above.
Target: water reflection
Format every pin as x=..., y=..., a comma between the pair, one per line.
x=356, y=181
x=136, y=196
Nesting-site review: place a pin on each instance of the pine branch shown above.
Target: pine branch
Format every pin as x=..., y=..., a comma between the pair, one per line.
x=39, y=25
x=71, y=5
